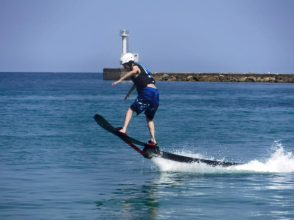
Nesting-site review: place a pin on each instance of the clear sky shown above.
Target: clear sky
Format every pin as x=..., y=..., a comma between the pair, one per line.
x=169, y=35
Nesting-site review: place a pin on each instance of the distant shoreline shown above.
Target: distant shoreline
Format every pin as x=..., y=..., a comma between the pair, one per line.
x=116, y=73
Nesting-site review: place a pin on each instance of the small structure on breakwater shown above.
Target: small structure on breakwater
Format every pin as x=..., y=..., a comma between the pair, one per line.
x=117, y=73
x=125, y=44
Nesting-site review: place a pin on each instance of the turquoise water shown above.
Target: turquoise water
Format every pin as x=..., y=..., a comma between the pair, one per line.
x=57, y=163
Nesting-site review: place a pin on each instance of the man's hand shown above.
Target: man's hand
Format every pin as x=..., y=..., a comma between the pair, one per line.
x=116, y=82
x=127, y=96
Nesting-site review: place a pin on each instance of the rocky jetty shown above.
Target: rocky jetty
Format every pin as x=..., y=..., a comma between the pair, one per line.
x=115, y=74
x=225, y=77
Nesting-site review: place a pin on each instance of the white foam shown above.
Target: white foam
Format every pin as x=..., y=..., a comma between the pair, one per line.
x=279, y=161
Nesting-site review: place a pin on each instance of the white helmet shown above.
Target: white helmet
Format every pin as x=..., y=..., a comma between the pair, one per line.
x=127, y=57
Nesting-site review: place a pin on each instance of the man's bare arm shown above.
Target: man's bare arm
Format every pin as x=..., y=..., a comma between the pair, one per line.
x=129, y=93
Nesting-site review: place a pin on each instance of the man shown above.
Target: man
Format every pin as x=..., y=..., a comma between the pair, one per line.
x=148, y=98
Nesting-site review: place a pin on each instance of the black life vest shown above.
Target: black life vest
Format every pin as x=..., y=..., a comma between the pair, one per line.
x=143, y=79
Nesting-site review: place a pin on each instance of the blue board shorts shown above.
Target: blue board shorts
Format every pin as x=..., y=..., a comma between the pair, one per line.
x=148, y=101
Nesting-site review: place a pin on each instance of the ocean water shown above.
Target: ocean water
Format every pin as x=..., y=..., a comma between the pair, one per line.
x=57, y=163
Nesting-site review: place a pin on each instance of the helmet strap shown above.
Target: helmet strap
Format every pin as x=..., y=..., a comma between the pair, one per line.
x=130, y=64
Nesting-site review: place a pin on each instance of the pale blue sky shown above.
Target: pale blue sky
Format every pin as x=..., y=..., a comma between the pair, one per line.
x=169, y=35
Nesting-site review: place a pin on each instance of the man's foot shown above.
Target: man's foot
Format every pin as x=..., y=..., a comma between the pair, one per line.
x=121, y=130
x=152, y=143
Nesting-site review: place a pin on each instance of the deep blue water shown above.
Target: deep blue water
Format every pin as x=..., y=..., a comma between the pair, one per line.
x=57, y=163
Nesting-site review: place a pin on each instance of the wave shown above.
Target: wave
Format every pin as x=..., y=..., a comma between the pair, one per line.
x=279, y=161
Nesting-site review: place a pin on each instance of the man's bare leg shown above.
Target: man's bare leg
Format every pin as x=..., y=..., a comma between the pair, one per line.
x=151, y=129
x=127, y=120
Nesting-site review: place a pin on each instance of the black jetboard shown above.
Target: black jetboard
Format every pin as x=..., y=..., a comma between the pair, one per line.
x=151, y=151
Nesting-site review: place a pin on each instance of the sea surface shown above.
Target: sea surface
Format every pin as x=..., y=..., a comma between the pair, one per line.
x=57, y=163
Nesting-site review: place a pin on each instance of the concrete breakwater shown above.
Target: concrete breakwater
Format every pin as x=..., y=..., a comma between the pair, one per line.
x=116, y=73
